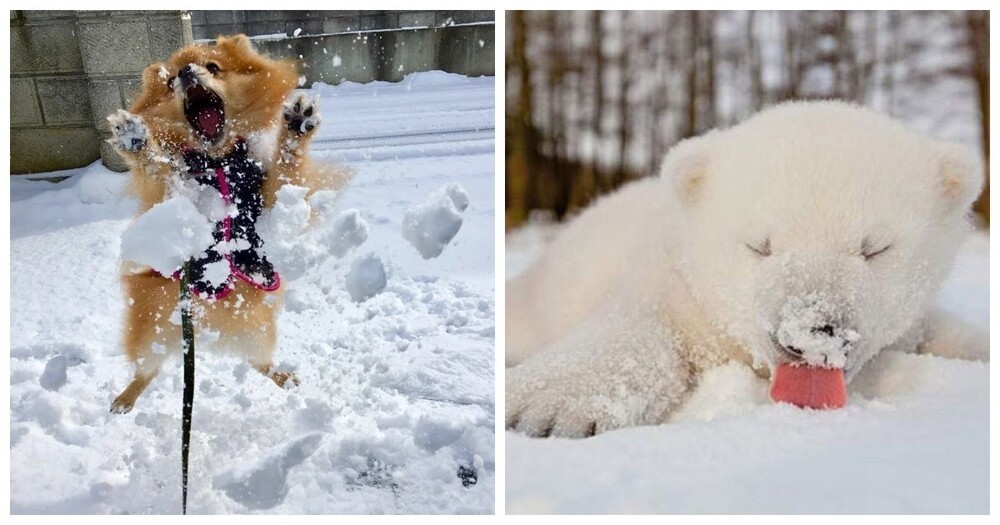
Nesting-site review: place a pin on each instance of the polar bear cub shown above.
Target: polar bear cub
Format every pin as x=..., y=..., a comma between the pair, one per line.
x=814, y=232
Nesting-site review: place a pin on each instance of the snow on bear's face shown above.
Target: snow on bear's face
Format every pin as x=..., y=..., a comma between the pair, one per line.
x=819, y=232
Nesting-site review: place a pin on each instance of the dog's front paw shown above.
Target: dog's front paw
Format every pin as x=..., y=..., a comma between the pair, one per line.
x=128, y=131
x=301, y=115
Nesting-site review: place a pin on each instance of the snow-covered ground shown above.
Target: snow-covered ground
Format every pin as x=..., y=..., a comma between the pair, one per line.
x=397, y=393
x=914, y=437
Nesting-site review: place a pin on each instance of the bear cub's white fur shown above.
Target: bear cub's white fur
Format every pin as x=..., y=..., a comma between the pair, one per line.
x=814, y=231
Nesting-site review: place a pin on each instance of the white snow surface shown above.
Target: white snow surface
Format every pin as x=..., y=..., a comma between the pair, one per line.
x=397, y=392
x=913, y=439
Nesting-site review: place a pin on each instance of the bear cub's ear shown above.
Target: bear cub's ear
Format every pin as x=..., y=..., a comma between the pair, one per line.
x=687, y=165
x=961, y=176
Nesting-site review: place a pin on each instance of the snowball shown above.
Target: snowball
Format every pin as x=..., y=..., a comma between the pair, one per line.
x=366, y=278
x=167, y=235
x=457, y=195
x=430, y=226
x=348, y=231
x=54, y=376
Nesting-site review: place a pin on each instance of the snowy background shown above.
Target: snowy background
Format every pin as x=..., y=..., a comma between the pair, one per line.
x=397, y=392
x=596, y=98
x=914, y=437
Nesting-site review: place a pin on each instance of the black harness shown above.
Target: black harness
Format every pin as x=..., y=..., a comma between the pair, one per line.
x=238, y=179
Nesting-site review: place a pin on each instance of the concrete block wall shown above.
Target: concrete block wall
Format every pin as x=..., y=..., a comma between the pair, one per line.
x=208, y=25
x=50, y=116
x=387, y=55
x=70, y=70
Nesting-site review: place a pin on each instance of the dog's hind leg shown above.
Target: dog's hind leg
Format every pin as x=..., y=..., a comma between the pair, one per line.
x=262, y=360
x=126, y=400
x=147, y=366
x=280, y=378
x=247, y=320
x=149, y=335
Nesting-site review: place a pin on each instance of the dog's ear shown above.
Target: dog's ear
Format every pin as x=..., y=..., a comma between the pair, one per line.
x=154, y=86
x=155, y=75
x=960, y=176
x=236, y=42
x=687, y=165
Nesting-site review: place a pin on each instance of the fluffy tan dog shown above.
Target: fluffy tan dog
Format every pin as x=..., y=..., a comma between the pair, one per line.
x=204, y=105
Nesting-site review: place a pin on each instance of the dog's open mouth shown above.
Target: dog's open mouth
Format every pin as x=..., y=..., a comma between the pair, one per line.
x=205, y=112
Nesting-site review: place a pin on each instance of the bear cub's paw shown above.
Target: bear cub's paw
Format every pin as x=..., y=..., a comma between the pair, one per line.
x=301, y=115
x=565, y=406
x=128, y=131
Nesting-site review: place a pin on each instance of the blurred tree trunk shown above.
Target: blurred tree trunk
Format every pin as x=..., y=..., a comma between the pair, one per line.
x=979, y=47
x=710, y=115
x=561, y=177
x=754, y=61
x=624, y=88
x=691, y=118
x=522, y=159
x=597, y=51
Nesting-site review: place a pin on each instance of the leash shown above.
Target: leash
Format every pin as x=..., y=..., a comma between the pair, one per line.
x=188, y=330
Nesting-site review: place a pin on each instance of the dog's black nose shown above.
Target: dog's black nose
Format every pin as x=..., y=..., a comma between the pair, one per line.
x=186, y=73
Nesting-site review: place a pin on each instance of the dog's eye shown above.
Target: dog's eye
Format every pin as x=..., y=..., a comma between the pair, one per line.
x=212, y=67
x=170, y=83
x=762, y=249
x=868, y=252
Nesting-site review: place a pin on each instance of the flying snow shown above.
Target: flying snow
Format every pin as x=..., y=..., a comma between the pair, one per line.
x=432, y=225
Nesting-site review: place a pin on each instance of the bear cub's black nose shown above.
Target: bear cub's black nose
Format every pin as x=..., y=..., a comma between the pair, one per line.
x=825, y=329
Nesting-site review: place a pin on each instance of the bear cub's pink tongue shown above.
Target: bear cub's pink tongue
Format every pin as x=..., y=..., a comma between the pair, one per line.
x=809, y=386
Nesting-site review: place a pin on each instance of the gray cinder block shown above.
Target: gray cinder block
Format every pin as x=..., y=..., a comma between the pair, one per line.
x=105, y=99
x=114, y=47
x=64, y=100
x=417, y=19
x=24, y=110
x=50, y=149
x=44, y=49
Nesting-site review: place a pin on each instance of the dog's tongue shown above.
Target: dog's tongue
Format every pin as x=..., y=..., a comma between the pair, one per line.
x=210, y=121
x=809, y=386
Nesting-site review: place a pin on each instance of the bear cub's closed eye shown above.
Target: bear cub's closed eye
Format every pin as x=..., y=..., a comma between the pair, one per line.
x=762, y=249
